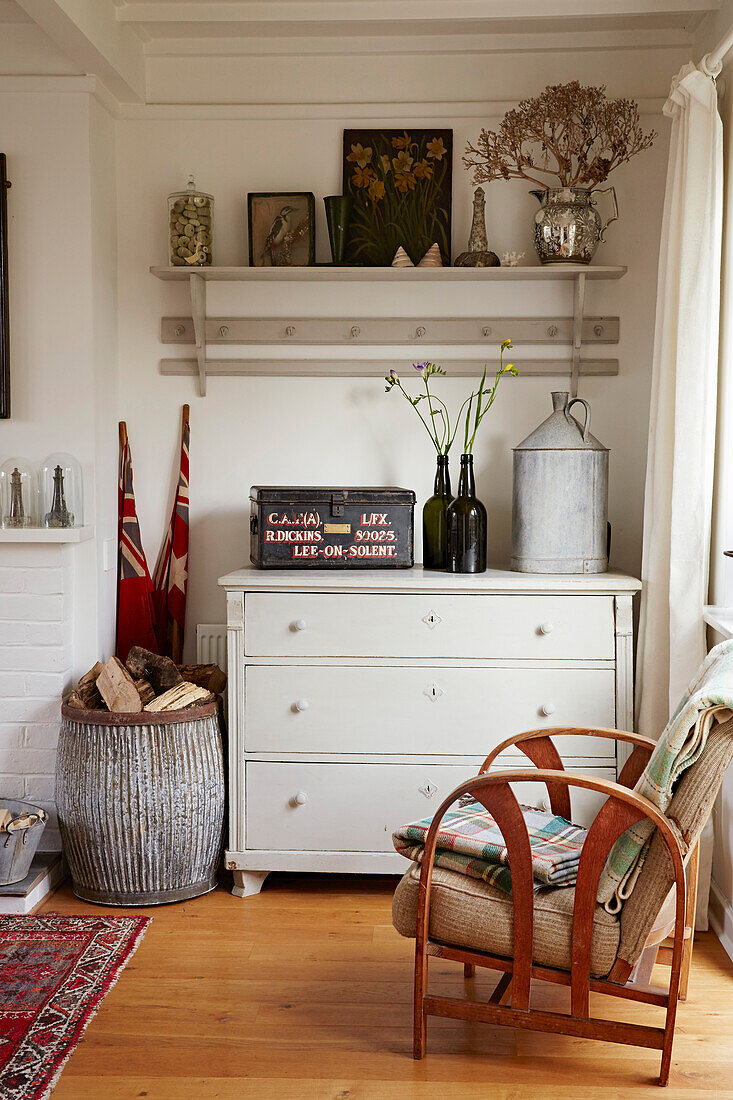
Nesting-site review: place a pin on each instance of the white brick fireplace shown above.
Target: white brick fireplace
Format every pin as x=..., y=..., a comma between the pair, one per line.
x=44, y=602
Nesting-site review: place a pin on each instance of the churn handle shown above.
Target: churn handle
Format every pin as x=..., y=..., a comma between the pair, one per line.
x=614, y=216
x=586, y=423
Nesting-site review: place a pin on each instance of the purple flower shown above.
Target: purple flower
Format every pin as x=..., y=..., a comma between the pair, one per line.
x=420, y=367
x=393, y=374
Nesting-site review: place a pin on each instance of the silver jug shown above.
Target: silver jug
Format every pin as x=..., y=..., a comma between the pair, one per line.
x=560, y=497
x=567, y=227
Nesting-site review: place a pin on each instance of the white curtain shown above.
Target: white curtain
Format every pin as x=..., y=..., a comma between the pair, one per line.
x=680, y=462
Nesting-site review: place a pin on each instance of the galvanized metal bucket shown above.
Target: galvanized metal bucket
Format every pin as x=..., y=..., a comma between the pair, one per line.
x=560, y=498
x=140, y=801
x=17, y=848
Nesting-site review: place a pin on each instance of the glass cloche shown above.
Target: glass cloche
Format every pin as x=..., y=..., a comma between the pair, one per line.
x=61, y=492
x=18, y=494
x=190, y=226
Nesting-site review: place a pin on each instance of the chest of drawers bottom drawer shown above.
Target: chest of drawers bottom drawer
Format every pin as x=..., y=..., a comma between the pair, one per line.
x=356, y=807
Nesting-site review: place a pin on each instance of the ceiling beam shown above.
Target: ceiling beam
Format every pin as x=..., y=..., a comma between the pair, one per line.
x=395, y=11
x=89, y=33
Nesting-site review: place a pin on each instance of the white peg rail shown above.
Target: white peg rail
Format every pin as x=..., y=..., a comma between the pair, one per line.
x=419, y=336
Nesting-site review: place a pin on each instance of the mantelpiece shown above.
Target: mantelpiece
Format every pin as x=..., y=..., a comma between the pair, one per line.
x=296, y=340
x=356, y=698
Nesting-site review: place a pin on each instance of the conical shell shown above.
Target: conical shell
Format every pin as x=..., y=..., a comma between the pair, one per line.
x=401, y=259
x=432, y=257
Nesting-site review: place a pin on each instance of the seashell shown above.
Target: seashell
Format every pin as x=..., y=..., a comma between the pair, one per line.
x=401, y=259
x=432, y=257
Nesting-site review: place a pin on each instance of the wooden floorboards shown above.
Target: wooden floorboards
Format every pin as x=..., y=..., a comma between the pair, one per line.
x=305, y=991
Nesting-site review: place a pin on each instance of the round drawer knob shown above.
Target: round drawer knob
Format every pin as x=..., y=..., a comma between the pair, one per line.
x=299, y=624
x=300, y=798
x=547, y=709
x=547, y=628
x=302, y=704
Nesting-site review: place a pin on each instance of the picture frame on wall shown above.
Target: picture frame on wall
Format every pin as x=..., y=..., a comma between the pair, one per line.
x=4, y=294
x=401, y=185
x=282, y=228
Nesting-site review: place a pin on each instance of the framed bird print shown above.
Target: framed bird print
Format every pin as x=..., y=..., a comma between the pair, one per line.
x=282, y=228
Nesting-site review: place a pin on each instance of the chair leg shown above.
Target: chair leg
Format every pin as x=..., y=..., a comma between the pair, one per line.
x=693, y=870
x=419, y=1030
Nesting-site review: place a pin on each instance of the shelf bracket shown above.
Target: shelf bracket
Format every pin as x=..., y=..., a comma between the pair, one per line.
x=198, y=313
x=578, y=306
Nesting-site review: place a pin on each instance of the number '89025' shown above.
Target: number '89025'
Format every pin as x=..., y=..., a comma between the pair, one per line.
x=374, y=536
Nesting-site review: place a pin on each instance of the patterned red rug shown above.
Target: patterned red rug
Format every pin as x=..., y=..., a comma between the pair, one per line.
x=54, y=972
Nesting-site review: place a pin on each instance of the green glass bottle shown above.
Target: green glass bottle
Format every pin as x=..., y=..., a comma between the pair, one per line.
x=435, y=518
x=466, y=525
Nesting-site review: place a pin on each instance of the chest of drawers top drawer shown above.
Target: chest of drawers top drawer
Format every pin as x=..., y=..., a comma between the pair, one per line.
x=310, y=624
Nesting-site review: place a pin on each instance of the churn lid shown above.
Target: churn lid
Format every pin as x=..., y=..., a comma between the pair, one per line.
x=561, y=431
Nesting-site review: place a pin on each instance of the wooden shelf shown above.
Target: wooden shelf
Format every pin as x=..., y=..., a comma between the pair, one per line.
x=326, y=273
x=46, y=534
x=420, y=336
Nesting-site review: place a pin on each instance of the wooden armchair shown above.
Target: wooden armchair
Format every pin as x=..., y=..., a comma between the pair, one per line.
x=565, y=938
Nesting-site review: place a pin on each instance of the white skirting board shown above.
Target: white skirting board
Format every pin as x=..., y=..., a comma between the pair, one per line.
x=721, y=917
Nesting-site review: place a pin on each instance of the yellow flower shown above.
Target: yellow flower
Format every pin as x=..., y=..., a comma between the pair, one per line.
x=386, y=165
x=423, y=170
x=376, y=190
x=436, y=149
x=402, y=162
x=362, y=176
x=404, y=181
x=505, y=344
x=403, y=142
x=359, y=155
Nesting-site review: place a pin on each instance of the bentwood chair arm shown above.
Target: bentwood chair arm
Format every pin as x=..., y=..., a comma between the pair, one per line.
x=538, y=746
x=622, y=809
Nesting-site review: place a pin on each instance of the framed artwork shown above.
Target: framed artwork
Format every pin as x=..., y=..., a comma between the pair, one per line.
x=401, y=185
x=4, y=300
x=282, y=228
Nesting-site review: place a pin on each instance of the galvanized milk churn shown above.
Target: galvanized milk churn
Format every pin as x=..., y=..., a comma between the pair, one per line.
x=560, y=499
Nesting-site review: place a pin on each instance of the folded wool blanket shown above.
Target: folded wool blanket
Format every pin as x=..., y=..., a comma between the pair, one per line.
x=708, y=699
x=470, y=842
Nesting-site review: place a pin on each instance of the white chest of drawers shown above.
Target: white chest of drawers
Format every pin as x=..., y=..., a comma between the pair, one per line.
x=357, y=700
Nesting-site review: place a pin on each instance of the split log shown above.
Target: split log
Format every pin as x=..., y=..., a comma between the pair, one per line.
x=161, y=672
x=117, y=688
x=206, y=676
x=85, y=695
x=181, y=696
x=5, y=818
x=145, y=690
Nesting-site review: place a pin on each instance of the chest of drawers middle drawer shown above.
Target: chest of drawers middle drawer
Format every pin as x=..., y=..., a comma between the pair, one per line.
x=407, y=710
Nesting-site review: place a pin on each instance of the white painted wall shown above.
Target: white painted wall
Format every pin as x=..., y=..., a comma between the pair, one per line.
x=321, y=431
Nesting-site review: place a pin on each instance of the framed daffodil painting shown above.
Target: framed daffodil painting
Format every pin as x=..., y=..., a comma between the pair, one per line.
x=401, y=185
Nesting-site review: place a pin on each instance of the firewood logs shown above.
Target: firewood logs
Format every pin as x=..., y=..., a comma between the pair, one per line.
x=147, y=682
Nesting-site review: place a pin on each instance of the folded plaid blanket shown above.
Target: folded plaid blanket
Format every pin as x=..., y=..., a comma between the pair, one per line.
x=708, y=699
x=470, y=842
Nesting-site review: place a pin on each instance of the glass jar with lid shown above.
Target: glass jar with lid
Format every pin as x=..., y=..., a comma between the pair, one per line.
x=18, y=494
x=190, y=223
x=61, y=492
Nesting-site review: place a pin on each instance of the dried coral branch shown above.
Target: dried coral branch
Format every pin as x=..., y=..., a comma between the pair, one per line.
x=571, y=132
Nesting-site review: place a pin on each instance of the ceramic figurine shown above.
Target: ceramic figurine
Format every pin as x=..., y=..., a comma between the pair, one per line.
x=478, y=254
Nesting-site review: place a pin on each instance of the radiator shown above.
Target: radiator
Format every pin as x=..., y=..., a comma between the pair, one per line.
x=211, y=644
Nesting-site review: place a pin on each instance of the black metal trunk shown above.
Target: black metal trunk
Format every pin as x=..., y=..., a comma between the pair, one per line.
x=295, y=527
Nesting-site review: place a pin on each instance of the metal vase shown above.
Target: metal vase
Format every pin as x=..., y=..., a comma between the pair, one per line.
x=560, y=497
x=338, y=215
x=567, y=227
x=141, y=804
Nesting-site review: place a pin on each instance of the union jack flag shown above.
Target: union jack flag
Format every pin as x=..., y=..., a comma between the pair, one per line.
x=170, y=578
x=135, y=623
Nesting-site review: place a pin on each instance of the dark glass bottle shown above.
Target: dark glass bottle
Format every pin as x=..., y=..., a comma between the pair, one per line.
x=435, y=518
x=466, y=525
